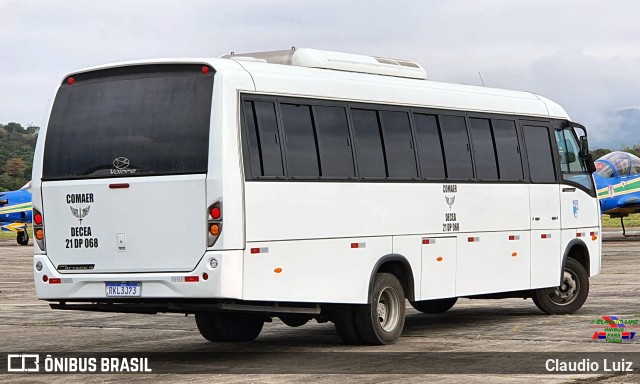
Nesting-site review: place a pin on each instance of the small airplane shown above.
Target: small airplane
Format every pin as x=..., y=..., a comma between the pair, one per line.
x=15, y=212
x=617, y=180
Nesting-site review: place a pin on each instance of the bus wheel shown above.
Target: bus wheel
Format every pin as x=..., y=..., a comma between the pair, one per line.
x=23, y=238
x=228, y=326
x=294, y=319
x=343, y=318
x=434, y=306
x=381, y=321
x=569, y=296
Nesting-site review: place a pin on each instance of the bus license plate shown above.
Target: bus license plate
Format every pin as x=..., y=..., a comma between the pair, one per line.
x=124, y=289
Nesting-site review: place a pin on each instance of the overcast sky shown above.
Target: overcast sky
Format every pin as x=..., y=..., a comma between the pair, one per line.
x=583, y=54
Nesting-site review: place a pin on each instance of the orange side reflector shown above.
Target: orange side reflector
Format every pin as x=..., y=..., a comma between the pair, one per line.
x=514, y=254
x=439, y=258
x=277, y=270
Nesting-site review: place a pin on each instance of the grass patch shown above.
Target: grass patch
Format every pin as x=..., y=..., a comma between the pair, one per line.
x=630, y=221
x=12, y=235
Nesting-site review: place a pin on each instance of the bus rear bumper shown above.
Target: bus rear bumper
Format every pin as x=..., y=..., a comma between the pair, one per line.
x=204, y=281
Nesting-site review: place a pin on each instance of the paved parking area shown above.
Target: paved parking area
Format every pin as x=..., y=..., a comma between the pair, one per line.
x=499, y=328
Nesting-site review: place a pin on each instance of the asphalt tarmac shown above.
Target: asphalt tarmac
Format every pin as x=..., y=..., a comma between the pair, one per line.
x=484, y=341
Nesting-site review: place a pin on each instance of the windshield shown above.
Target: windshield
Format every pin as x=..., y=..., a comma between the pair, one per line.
x=130, y=121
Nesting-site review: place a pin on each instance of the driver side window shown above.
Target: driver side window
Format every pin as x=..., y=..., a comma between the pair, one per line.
x=571, y=163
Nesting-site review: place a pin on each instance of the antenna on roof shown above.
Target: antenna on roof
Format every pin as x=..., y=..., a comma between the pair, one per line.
x=481, y=79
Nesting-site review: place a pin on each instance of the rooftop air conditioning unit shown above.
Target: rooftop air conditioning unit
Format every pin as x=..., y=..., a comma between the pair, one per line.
x=315, y=58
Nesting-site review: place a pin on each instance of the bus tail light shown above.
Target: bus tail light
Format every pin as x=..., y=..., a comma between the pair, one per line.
x=38, y=228
x=214, y=223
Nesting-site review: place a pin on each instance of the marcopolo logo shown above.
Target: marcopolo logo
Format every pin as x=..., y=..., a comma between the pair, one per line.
x=121, y=166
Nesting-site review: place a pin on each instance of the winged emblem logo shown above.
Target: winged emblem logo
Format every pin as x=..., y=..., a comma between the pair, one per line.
x=80, y=213
x=450, y=200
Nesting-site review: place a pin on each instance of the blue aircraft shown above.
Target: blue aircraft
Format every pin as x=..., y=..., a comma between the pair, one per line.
x=617, y=180
x=15, y=212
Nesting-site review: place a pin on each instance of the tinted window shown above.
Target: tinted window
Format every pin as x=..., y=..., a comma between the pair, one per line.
x=268, y=139
x=155, y=118
x=332, y=130
x=251, y=138
x=539, y=154
x=429, y=149
x=300, y=142
x=456, y=147
x=368, y=143
x=483, y=151
x=398, y=145
x=508, y=150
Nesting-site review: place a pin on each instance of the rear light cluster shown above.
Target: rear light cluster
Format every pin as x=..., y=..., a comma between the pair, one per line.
x=38, y=228
x=214, y=223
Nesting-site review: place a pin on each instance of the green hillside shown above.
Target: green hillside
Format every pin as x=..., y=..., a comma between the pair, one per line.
x=17, y=144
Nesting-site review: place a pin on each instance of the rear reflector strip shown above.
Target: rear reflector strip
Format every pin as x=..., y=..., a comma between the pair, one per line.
x=514, y=237
x=358, y=245
x=260, y=250
x=120, y=185
x=580, y=234
x=545, y=236
x=594, y=233
x=473, y=239
x=426, y=240
x=58, y=280
x=186, y=279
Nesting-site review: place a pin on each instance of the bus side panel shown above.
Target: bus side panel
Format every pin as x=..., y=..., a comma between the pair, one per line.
x=314, y=271
x=409, y=248
x=438, y=279
x=492, y=262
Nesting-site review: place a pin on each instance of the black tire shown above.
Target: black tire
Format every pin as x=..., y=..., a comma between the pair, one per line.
x=434, y=306
x=228, y=326
x=382, y=320
x=23, y=238
x=342, y=317
x=294, y=319
x=568, y=297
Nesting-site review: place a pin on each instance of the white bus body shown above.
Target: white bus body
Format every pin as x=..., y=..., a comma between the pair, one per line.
x=141, y=159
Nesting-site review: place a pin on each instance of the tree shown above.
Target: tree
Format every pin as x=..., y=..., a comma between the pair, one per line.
x=15, y=166
x=598, y=153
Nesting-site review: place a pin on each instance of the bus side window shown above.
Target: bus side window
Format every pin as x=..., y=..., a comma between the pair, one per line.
x=300, y=143
x=371, y=162
x=483, y=150
x=334, y=146
x=398, y=145
x=508, y=150
x=262, y=135
x=539, y=154
x=456, y=147
x=429, y=146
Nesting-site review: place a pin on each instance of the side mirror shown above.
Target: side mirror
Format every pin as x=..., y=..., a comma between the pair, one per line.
x=4, y=202
x=584, y=147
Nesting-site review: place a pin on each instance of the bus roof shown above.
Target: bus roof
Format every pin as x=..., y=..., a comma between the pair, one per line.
x=302, y=81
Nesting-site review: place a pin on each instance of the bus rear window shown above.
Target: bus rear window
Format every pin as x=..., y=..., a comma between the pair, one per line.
x=130, y=121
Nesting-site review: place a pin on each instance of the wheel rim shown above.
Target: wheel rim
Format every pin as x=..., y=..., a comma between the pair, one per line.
x=388, y=309
x=568, y=291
